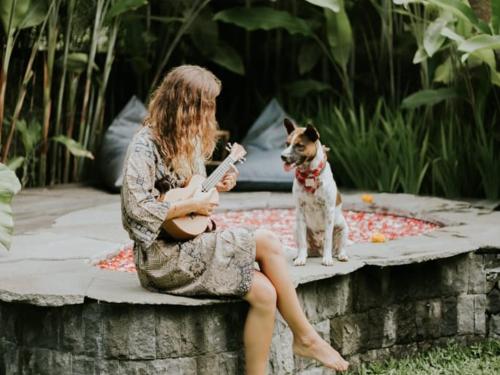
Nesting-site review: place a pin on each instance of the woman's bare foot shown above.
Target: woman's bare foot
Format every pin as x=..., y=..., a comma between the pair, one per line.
x=316, y=348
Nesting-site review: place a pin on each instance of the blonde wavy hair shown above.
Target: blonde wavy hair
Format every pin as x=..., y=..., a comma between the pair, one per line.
x=182, y=117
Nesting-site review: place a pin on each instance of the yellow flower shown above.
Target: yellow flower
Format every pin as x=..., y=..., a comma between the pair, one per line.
x=378, y=237
x=367, y=198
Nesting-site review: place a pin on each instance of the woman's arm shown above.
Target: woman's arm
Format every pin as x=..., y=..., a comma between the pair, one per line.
x=201, y=203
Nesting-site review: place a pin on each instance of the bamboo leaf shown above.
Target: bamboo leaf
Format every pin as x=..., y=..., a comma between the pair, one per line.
x=227, y=57
x=339, y=35
x=309, y=55
x=305, y=87
x=444, y=72
x=73, y=147
x=450, y=34
x=264, y=18
x=9, y=186
x=433, y=39
x=122, y=6
x=420, y=56
x=333, y=5
x=463, y=11
x=479, y=42
x=428, y=97
x=30, y=134
x=495, y=17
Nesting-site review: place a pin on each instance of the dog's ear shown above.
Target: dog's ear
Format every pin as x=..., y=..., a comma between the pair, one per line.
x=311, y=133
x=289, y=125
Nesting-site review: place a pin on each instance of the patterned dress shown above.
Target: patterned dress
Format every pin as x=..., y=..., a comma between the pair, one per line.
x=219, y=263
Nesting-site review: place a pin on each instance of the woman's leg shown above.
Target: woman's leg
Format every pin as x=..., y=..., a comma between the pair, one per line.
x=259, y=324
x=307, y=342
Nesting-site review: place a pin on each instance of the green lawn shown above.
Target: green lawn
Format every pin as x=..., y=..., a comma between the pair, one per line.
x=482, y=358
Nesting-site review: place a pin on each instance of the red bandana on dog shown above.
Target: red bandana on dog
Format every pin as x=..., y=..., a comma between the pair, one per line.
x=309, y=177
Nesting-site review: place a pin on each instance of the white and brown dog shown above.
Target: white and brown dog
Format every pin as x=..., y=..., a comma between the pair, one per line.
x=320, y=228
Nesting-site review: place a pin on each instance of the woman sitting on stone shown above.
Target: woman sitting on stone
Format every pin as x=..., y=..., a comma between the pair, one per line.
x=178, y=136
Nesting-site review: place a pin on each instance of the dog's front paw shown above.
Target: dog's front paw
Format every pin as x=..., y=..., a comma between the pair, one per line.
x=327, y=261
x=300, y=261
x=342, y=256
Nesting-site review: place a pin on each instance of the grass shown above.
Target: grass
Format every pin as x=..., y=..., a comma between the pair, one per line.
x=481, y=358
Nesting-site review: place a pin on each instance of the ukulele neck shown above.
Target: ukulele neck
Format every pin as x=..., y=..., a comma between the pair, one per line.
x=217, y=174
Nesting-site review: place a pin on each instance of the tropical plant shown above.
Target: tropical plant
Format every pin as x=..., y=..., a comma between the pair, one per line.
x=335, y=40
x=9, y=186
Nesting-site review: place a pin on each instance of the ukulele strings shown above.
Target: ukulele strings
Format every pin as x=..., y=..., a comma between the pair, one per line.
x=216, y=175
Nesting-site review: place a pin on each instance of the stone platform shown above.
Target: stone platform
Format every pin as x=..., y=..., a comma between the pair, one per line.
x=61, y=315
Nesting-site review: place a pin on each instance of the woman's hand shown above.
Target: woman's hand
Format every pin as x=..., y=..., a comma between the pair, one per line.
x=205, y=202
x=228, y=181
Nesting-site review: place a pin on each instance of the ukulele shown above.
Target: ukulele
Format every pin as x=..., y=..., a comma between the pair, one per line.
x=190, y=226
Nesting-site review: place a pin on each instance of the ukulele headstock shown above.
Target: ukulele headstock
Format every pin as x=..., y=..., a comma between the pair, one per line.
x=236, y=152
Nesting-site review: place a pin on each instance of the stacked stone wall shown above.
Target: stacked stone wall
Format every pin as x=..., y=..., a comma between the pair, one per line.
x=371, y=314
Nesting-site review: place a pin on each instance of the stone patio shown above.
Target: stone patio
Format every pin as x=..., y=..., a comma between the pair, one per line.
x=61, y=233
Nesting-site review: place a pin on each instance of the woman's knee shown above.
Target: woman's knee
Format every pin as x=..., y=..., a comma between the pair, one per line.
x=268, y=242
x=262, y=294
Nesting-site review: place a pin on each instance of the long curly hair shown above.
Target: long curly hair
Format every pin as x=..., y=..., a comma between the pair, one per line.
x=182, y=117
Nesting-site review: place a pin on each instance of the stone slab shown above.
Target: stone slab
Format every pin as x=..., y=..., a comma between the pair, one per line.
x=51, y=259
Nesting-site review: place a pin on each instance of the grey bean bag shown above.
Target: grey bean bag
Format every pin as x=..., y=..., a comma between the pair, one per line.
x=263, y=169
x=116, y=141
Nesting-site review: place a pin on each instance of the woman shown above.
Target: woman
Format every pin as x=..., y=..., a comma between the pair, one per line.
x=177, y=138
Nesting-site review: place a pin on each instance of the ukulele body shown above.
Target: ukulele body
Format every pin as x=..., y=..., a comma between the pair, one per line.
x=190, y=226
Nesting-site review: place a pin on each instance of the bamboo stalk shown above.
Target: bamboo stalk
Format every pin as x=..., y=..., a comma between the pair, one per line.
x=182, y=30
x=5, y=66
x=47, y=88
x=71, y=110
x=88, y=78
x=96, y=128
x=28, y=74
x=62, y=85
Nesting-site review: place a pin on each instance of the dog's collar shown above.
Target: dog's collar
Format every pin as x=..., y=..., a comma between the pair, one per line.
x=309, y=178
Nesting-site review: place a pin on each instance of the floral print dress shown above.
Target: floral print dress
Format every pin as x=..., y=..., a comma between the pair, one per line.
x=218, y=263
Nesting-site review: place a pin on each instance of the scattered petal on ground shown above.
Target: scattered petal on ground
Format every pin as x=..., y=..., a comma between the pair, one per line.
x=362, y=225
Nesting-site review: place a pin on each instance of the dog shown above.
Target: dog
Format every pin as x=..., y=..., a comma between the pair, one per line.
x=321, y=229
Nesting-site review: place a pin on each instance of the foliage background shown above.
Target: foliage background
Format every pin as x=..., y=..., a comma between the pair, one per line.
x=404, y=92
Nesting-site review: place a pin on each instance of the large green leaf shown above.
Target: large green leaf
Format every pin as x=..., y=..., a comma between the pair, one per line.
x=122, y=6
x=75, y=148
x=333, y=5
x=309, y=55
x=479, y=42
x=227, y=57
x=484, y=56
x=77, y=62
x=306, y=87
x=339, y=35
x=428, y=97
x=9, y=186
x=204, y=33
x=27, y=13
x=462, y=10
x=264, y=18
